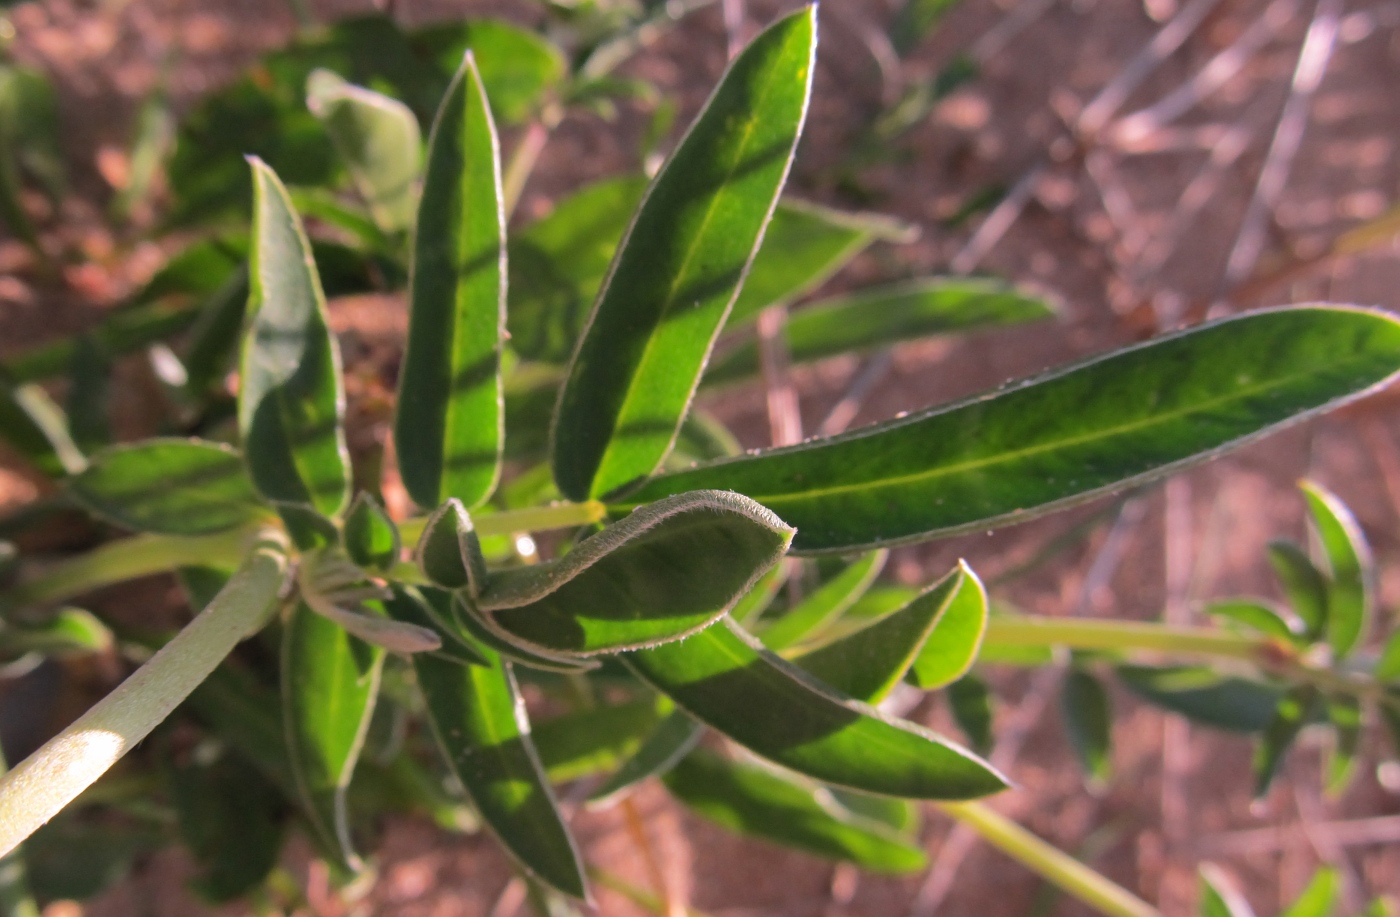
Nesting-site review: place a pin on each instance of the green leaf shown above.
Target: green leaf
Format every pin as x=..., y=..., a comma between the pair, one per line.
x=952, y=647
x=594, y=740
x=1349, y=564
x=449, y=426
x=1344, y=713
x=1303, y=583
x=67, y=631
x=171, y=486
x=971, y=704
x=1319, y=898
x=1290, y=716
x=407, y=605
x=672, y=740
x=679, y=269
x=726, y=680
x=1204, y=695
x=868, y=663
x=902, y=815
x=1062, y=438
x=1089, y=721
x=1219, y=898
x=329, y=685
x=757, y=802
x=1388, y=665
x=35, y=427
x=881, y=316
x=479, y=720
x=760, y=595
x=292, y=403
x=1254, y=615
x=230, y=820
x=369, y=536
x=88, y=395
x=378, y=139
x=449, y=551
x=804, y=245
x=915, y=21
x=826, y=604
x=665, y=571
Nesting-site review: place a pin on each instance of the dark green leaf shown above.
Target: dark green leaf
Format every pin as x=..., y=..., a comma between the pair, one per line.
x=902, y=815
x=868, y=663
x=761, y=595
x=479, y=720
x=803, y=246
x=471, y=622
x=757, y=802
x=1303, y=583
x=378, y=139
x=68, y=631
x=1063, y=437
x=172, y=486
x=1219, y=898
x=665, y=571
x=449, y=427
x=369, y=536
x=915, y=21
x=1255, y=615
x=449, y=551
x=1344, y=712
x=230, y=819
x=1204, y=695
x=1089, y=721
x=971, y=704
x=826, y=604
x=672, y=740
x=882, y=316
x=680, y=267
x=592, y=741
x=88, y=420
x=726, y=680
x=292, y=402
x=36, y=428
x=328, y=695
x=72, y=858
x=408, y=605
x=1318, y=899
x=1349, y=565
x=1290, y=716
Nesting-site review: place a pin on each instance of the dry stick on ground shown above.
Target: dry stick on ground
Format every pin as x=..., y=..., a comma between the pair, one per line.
x=1176, y=731
x=1384, y=829
x=1313, y=58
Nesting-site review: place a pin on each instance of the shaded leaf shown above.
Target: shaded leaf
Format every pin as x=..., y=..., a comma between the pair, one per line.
x=826, y=604
x=1349, y=565
x=915, y=21
x=378, y=139
x=1345, y=715
x=369, y=536
x=663, y=572
x=230, y=820
x=971, y=704
x=1204, y=695
x=471, y=622
x=1303, y=583
x=292, y=402
x=449, y=426
x=67, y=631
x=88, y=422
x=329, y=686
x=478, y=718
x=679, y=269
x=171, y=486
x=408, y=605
x=669, y=742
x=1290, y=716
x=36, y=428
x=762, y=593
x=1254, y=615
x=591, y=741
x=1063, y=437
x=726, y=680
x=449, y=551
x=757, y=802
x=1089, y=722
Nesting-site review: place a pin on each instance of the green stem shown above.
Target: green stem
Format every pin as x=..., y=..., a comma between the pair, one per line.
x=1048, y=862
x=15, y=897
x=53, y=776
x=534, y=519
x=1093, y=634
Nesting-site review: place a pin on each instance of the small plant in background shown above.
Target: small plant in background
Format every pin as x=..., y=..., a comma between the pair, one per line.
x=546, y=398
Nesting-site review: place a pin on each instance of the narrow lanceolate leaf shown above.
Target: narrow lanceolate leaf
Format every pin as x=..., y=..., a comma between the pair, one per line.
x=1388, y=665
x=1219, y=898
x=449, y=425
x=726, y=680
x=408, y=606
x=369, y=536
x=882, y=316
x=478, y=717
x=1290, y=716
x=329, y=685
x=1303, y=583
x=1350, y=565
x=826, y=604
x=970, y=701
x=291, y=405
x=592, y=740
x=1204, y=696
x=1344, y=713
x=1254, y=615
x=171, y=486
x=868, y=663
x=668, y=743
x=35, y=427
x=449, y=551
x=680, y=268
x=665, y=571
x=1063, y=437
x=1088, y=720
x=1318, y=899
x=957, y=634
x=757, y=802
x=471, y=623
x=378, y=139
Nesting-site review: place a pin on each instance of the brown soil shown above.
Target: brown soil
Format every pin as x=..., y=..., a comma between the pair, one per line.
x=1081, y=237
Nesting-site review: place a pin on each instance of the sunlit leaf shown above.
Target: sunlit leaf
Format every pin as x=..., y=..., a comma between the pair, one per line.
x=669, y=742
x=825, y=604
x=370, y=537
x=1349, y=566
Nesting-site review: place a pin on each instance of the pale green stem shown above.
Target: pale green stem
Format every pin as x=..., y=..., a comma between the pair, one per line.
x=42, y=784
x=1090, y=634
x=534, y=519
x=1048, y=862
x=15, y=897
